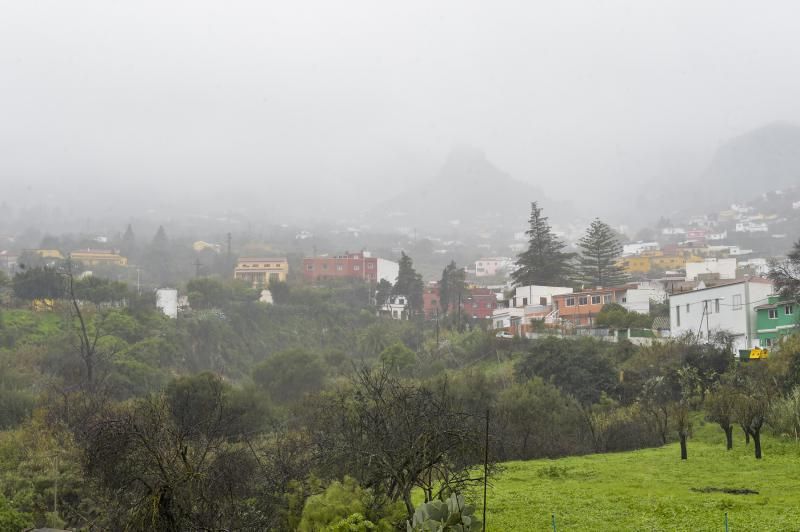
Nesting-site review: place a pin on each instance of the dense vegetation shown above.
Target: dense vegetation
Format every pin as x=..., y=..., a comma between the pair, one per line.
x=316, y=414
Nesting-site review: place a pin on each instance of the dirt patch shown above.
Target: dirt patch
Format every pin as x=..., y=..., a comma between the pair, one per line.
x=730, y=491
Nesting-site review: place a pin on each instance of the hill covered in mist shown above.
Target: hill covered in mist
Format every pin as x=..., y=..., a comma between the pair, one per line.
x=469, y=192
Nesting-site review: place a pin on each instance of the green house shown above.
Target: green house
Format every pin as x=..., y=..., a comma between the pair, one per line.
x=776, y=319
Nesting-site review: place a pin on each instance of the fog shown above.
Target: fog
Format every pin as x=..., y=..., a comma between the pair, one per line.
x=310, y=109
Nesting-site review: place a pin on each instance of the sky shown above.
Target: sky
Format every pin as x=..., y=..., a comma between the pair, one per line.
x=282, y=105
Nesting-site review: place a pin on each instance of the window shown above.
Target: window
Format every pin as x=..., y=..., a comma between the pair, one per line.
x=543, y=301
x=356, y=267
x=678, y=315
x=524, y=301
x=370, y=265
x=788, y=310
x=736, y=302
x=570, y=302
x=624, y=299
x=339, y=267
x=583, y=300
x=607, y=298
x=766, y=342
x=772, y=313
x=687, y=308
x=310, y=267
x=324, y=266
x=595, y=300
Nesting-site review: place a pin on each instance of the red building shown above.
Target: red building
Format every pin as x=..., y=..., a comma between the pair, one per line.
x=430, y=302
x=347, y=266
x=479, y=304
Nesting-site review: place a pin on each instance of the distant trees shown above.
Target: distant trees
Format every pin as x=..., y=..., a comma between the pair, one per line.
x=544, y=262
x=288, y=375
x=39, y=283
x=383, y=291
x=786, y=274
x=452, y=286
x=128, y=243
x=618, y=317
x=600, y=250
x=409, y=283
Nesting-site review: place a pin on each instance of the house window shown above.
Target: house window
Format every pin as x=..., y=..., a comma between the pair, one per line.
x=716, y=306
x=583, y=300
x=339, y=267
x=687, y=308
x=607, y=298
x=310, y=267
x=766, y=342
x=678, y=315
x=370, y=265
x=570, y=302
x=356, y=267
x=595, y=300
x=772, y=313
x=543, y=301
x=624, y=299
x=736, y=302
x=788, y=310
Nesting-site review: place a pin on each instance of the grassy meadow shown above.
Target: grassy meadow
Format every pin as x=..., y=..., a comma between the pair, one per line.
x=653, y=490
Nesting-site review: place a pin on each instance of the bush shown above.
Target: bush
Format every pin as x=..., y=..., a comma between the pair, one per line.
x=345, y=506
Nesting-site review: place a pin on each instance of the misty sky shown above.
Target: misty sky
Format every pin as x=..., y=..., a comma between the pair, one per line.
x=268, y=98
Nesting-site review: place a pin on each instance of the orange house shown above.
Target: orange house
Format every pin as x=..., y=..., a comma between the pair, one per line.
x=580, y=308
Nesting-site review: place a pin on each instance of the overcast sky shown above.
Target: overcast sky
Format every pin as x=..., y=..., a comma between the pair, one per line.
x=258, y=97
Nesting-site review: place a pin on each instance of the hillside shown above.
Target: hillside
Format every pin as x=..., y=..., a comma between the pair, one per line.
x=468, y=189
x=652, y=489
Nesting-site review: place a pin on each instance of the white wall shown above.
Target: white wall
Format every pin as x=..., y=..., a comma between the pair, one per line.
x=533, y=293
x=167, y=301
x=388, y=270
x=726, y=268
x=729, y=318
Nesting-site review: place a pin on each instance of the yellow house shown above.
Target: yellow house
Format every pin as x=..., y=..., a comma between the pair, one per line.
x=260, y=272
x=94, y=257
x=636, y=264
x=48, y=253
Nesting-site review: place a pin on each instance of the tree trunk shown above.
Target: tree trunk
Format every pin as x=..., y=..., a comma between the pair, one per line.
x=757, y=443
x=409, y=504
x=729, y=437
x=684, y=454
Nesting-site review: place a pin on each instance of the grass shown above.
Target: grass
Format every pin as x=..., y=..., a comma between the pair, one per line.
x=653, y=489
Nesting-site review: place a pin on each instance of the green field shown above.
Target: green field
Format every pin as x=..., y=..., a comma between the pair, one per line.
x=652, y=489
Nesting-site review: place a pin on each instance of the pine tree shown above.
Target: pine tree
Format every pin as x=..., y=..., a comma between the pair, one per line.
x=600, y=252
x=544, y=262
x=128, y=245
x=452, y=284
x=409, y=283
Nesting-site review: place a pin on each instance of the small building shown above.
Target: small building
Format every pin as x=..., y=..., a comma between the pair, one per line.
x=261, y=271
x=396, y=307
x=347, y=266
x=776, y=319
x=167, y=302
x=431, y=303
x=491, y=266
x=98, y=257
x=479, y=303
x=580, y=308
x=536, y=295
x=708, y=268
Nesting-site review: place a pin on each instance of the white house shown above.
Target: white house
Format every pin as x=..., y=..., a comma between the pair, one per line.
x=725, y=268
x=536, y=295
x=490, y=266
x=396, y=307
x=727, y=307
x=717, y=236
x=502, y=317
x=638, y=299
x=637, y=248
x=167, y=302
x=751, y=227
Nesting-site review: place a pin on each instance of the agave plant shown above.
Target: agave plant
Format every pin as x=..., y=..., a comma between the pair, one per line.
x=450, y=515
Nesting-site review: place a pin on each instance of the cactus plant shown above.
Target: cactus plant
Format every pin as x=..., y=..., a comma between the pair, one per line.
x=450, y=515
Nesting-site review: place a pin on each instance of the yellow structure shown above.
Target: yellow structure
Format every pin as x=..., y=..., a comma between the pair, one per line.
x=260, y=272
x=758, y=353
x=48, y=253
x=656, y=260
x=203, y=246
x=95, y=257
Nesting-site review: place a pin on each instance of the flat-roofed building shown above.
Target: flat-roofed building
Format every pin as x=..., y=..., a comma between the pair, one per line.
x=96, y=257
x=261, y=271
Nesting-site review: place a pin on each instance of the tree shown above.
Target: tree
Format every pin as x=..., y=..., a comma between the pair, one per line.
x=288, y=375
x=721, y=409
x=394, y=436
x=600, y=251
x=39, y=283
x=452, y=286
x=383, y=291
x=544, y=262
x=690, y=385
x=128, y=244
x=409, y=283
x=753, y=407
x=785, y=274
